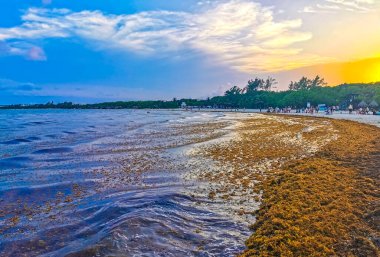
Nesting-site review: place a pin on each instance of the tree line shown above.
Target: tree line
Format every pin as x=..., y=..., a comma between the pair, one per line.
x=257, y=93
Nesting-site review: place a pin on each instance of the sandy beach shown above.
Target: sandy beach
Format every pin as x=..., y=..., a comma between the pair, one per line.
x=367, y=119
x=341, y=115
x=308, y=185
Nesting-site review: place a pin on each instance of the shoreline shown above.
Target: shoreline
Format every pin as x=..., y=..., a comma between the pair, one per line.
x=320, y=201
x=344, y=115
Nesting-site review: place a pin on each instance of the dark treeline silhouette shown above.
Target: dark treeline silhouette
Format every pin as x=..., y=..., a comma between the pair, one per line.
x=257, y=93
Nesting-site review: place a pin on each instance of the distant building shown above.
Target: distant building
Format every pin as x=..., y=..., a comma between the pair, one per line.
x=183, y=105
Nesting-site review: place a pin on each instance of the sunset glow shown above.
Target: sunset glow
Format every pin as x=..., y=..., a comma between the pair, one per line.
x=375, y=72
x=364, y=71
x=115, y=45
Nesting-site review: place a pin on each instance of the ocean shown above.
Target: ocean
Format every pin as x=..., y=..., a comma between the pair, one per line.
x=108, y=183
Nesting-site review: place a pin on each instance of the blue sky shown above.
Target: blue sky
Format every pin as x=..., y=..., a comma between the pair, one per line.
x=93, y=50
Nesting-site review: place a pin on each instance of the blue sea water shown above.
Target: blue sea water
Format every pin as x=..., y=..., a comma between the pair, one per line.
x=96, y=183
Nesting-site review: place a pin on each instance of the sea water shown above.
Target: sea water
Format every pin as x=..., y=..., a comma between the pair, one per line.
x=106, y=183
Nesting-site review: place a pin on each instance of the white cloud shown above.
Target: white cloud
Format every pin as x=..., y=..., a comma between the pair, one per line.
x=330, y=6
x=241, y=33
x=308, y=9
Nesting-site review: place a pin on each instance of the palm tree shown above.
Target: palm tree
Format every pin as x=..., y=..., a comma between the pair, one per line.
x=233, y=91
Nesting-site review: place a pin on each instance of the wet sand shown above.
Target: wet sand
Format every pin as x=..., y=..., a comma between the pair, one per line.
x=317, y=180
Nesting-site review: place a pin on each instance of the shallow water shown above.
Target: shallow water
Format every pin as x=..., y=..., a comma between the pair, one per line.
x=106, y=183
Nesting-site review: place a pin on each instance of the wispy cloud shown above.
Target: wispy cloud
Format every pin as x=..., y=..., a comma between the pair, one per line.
x=46, y=2
x=17, y=87
x=36, y=53
x=332, y=6
x=240, y=33
x=74, y=90
x=24, y=49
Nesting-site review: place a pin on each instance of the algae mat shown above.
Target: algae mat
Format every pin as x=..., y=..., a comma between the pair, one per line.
x=317, y=181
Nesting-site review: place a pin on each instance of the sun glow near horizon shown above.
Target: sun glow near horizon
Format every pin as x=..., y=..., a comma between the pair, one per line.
x=229, y=40
x=364, y=71
x=376, y=72
x=337, y=73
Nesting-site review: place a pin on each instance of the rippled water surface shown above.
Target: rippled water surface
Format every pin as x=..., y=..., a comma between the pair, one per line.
x=106, y=183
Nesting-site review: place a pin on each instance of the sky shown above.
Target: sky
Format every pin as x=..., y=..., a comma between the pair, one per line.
x=89, y=51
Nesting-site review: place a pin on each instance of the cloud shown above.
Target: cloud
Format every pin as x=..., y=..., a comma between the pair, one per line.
x=26, y=50
x=46, y=2
x=18, y=87
x=332, y=6
x=36, y=53
x=241, y=33
x=70, y=91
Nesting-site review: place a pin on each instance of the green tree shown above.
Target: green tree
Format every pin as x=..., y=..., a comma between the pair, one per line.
x=306, y=84
x=302, y=84
x=317, y=82
x=268, y=83
x=254, y=85
x=233, y=91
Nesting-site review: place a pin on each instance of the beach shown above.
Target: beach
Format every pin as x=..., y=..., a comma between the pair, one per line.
x=341, y=115
x=319, y=185
x=366, y=119
x=317, y=180
x=307, y=184
x=189, y=183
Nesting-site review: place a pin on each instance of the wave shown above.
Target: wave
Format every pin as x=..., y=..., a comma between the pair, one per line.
x=144, y=222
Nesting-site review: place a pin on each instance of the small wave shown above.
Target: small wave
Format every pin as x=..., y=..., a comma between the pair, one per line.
x=52, y=136
x=53, y=160
x=141, y=223
x=19, y=159
x=36, y=123
x=69, y=132
x=33, y=138
x=14, y=162
x=54, y=150
x=16, y=141
x=10, y=165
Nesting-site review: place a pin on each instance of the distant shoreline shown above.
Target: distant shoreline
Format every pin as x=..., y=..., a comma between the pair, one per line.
x=343, y=115
x=357, y=94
